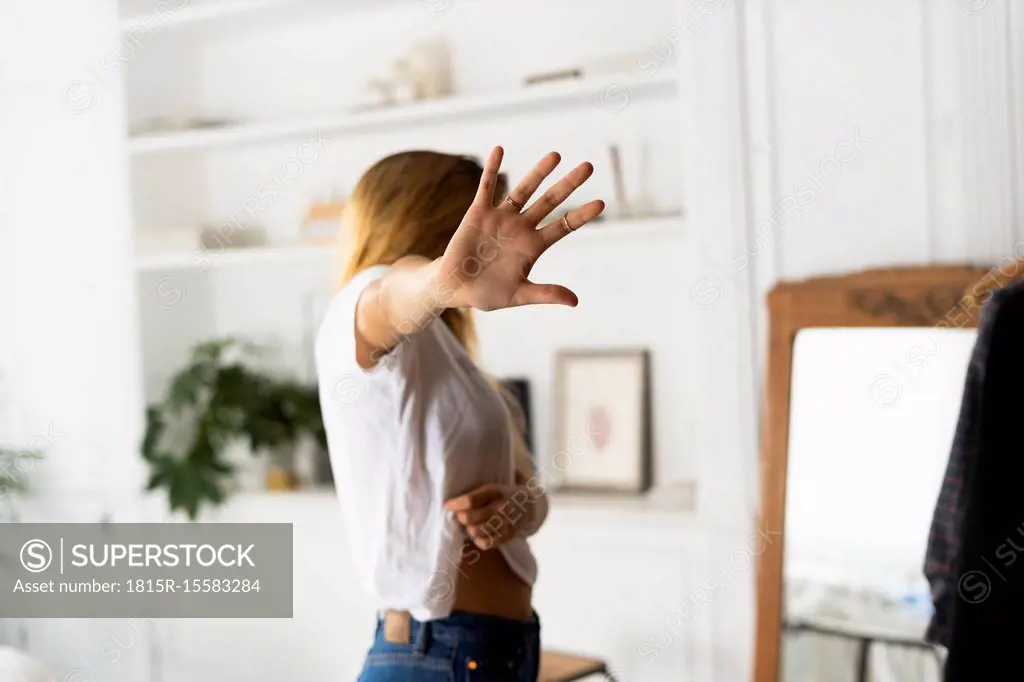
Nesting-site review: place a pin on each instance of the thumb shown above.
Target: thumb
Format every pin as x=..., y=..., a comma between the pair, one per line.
x=531, y=293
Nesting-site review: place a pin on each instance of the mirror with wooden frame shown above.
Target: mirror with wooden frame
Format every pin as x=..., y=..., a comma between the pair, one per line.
x=864, y=378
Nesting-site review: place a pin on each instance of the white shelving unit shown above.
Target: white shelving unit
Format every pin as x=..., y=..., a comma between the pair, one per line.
x=629, y=228
x=279, y=72
x=531, y=98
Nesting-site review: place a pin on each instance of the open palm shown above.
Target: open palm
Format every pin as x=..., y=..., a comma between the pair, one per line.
x=488, y=261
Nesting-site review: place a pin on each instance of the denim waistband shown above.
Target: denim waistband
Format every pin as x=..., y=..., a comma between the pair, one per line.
x=465, y=627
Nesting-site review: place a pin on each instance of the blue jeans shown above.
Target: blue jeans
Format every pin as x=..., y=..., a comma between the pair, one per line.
x=464, y=647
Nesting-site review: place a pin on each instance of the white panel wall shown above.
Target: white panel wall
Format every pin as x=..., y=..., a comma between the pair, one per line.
x=66, y=265
x=717, y=310
x=850, y=135
x=878, y=142
x=70, y=363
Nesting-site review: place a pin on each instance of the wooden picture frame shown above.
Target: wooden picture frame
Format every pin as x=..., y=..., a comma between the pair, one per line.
x=926, y=296
x=626, y=441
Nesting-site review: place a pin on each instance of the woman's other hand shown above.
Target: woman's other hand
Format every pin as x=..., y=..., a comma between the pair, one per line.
x=488, y=261
x=493, y=514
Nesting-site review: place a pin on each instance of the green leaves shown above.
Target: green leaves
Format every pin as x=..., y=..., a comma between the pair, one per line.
x=15, y=465
x=213, y=402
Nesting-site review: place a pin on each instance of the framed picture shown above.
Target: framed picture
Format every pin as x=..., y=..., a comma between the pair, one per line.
x=602, y=421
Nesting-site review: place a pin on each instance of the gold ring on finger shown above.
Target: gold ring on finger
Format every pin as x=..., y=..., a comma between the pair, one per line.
x=513, y=203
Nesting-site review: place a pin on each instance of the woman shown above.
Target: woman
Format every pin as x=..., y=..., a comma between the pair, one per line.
x=430, y=463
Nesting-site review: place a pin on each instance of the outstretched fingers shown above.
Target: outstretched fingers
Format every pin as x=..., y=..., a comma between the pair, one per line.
x=570, y=222
x=529, y=184
x=558, y=193
x=489, y=179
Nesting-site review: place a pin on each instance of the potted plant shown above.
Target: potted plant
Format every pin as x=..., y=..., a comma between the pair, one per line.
x=218, y=399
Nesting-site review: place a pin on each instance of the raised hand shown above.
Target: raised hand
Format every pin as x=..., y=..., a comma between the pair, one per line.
x=488, y=261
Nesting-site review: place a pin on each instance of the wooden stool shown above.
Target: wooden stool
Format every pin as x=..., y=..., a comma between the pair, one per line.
x=561, y=667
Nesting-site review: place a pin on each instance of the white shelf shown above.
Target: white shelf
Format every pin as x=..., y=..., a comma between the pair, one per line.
x=535, y=97
x=194, y=13
x=230, y=12
x=572, y=509
x=667, y=225
x=240, y=256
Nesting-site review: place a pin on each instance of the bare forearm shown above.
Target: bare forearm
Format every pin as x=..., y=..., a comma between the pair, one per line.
x=409, y=297
x=401, y=303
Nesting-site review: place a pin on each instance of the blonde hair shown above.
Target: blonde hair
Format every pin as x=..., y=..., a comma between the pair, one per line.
x=410, y=204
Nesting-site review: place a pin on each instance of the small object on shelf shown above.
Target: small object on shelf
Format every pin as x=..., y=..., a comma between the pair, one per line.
x=642, y=203
x=217, y=238
x=152, y=126
x=621, y=199
x=279, y=478
x=553, y=76
x=639, y=205
x=424, y=73
x=322, y=222
x=428, y=65
x=403, y=89
x=620, y=65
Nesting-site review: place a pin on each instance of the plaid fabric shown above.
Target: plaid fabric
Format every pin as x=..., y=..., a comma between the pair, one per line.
x=944, y=537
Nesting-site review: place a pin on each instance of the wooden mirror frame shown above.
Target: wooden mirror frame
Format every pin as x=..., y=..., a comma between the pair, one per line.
x=900, y=297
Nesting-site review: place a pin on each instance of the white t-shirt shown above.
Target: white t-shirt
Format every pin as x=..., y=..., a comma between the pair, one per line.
x=420, y=427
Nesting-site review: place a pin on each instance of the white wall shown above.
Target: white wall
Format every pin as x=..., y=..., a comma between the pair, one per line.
x=70, y=359
x=932, y=179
